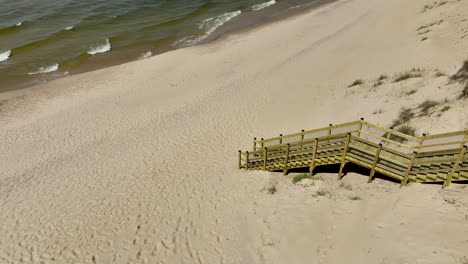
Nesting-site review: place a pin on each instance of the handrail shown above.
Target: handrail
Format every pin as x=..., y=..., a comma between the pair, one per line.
x=426, y=159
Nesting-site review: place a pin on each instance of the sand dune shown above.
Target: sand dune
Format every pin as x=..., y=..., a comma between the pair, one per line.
x=137, y=163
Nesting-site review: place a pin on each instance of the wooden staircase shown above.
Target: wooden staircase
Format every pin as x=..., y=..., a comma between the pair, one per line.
x=430, y=158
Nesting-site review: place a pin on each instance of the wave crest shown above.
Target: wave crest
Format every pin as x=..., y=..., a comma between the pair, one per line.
x=209, y=26
x=5, y=55
x=45, y=69
x=263, y=5
x=100, y=48
x=145, y=55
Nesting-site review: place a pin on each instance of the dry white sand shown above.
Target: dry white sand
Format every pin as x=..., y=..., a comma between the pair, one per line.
x=137, y=163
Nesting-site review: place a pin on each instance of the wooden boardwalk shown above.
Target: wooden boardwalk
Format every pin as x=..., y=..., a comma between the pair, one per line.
x=432, y=158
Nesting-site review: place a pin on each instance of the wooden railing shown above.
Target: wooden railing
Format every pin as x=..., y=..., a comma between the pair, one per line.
x=429, y=158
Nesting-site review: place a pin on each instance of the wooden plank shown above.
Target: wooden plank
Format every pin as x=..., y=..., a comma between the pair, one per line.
x=377, y=154
x=265, y=156
x=239, y=163
x=460, y=157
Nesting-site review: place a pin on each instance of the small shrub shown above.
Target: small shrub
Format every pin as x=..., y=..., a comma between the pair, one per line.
x=354, y=197
x=407, y=130
x=414, y=73
x=445, y=108
x=356, y=82
x=462, y=74
x=439, y=74
x=406, y=114
x=300, y=177
x=321, y=192
x=410, y=92
x=464, y=93
x=272, y=189
x=382, y=77
x=423, y=38
x=378, y=83
x=345, y=186
x=427, y=105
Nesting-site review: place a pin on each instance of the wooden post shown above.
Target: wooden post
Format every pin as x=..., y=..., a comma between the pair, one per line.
x=265, y=154
x=460, y=157
x=388, y=137
x=239, y=164
x=404, y=182
x=422, y=140
x=246, y=160
x=302, y=135
x=261, y=144
x=360, y=127
x=343, y=158
x=286, y=160
x=312, y=164
x=330, y=129
x=281, y=139
x=255, y=144
x=376, y=160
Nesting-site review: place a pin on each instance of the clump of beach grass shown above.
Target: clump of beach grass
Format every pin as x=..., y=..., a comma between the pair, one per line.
x=427, y=105
x=272, y=189
x=407, y=130
x=406, y=114
x=382, y=77
x=439, y=74
x=462, y=74
x=321, y=192
x=414, y=73
x=445, y=108
x=410, y=92
x=464, y=93
x=345, y=186
x=356, y=82
x=300, y=177
x=354, y=197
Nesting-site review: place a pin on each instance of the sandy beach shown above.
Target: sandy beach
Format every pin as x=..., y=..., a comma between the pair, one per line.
x=137, y=163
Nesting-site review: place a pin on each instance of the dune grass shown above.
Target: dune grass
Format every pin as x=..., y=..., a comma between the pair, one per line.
x=356, y=82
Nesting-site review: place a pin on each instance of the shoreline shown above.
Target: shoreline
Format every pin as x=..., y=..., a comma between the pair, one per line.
x=106, y=60
x=138, y=163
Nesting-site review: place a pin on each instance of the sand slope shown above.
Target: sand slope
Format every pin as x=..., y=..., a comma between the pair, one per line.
x=137, y=163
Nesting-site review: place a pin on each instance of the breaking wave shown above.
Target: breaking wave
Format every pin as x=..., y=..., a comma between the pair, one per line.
x=208, y=26
x=146, y=55
x=100, y=48
x=45, y=69
x=263, y=5
x=5, y=55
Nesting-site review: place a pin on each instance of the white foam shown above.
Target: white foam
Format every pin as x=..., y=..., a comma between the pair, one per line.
x=263, y=5
x=5, y=55
x=45, y=69
x=208, y=26
x=211, y=24
x=19, y=24
x=146, y=55
x=100, y=48
x=69, y=28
